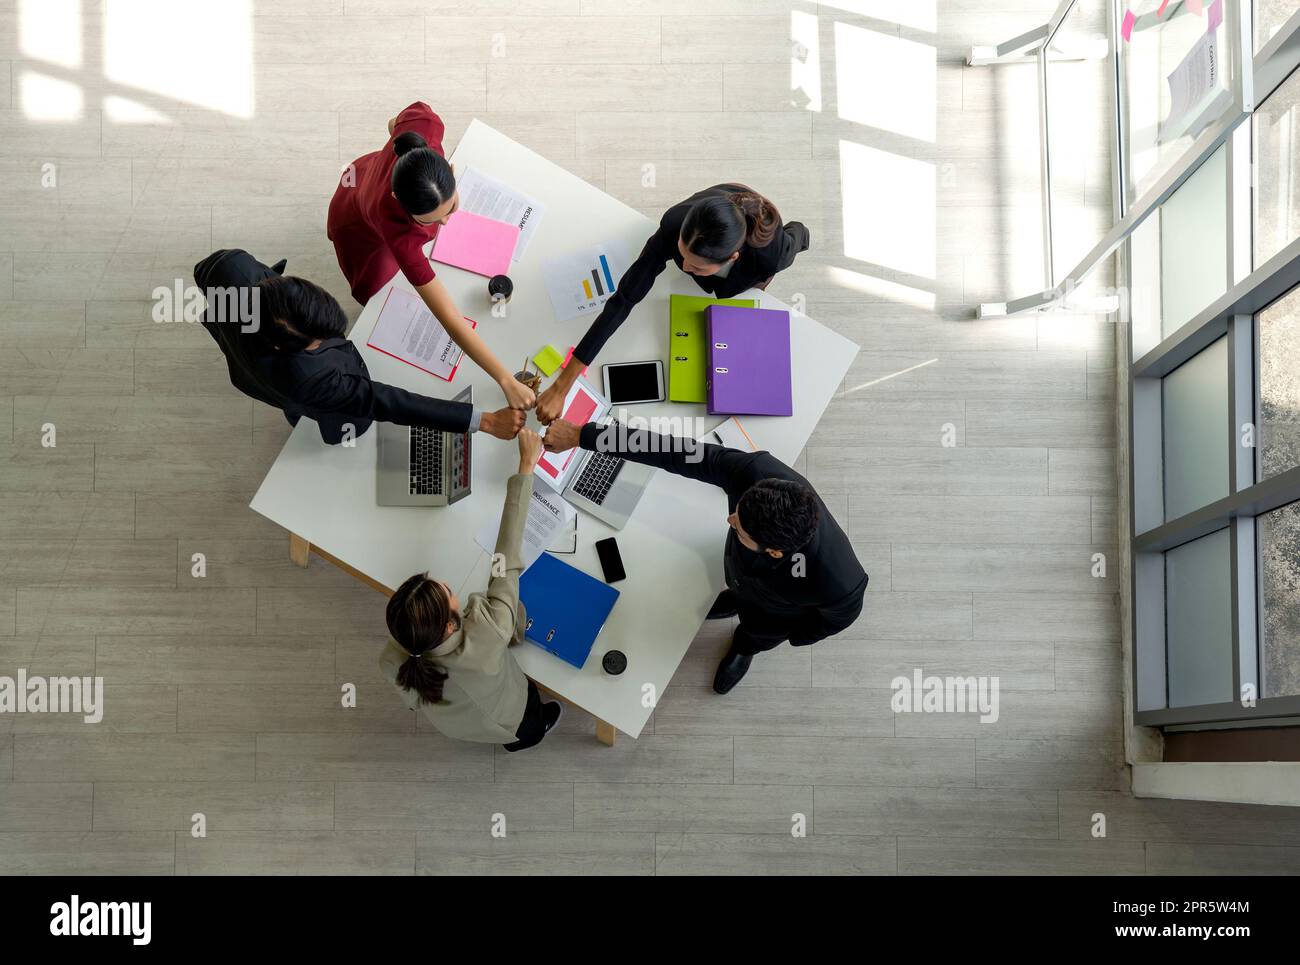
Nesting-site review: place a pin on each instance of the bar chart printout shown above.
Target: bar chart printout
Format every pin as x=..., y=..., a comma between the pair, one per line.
x=581, y=282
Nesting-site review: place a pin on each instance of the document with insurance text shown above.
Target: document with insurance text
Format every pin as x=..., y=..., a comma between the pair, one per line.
x=548, y=517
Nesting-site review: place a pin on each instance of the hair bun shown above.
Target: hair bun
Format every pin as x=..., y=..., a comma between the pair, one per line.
x=408, y=141
x=761, y=217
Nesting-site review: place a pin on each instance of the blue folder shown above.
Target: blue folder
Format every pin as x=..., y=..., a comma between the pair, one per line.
x=565, y=608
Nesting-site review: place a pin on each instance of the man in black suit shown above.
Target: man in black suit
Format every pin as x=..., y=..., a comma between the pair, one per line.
x=284, y=345
x=791, y=572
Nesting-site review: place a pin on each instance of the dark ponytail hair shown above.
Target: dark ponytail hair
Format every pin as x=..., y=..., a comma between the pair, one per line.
x=717, y=226
x=422, y=178
x=418, y=614
x=294, y=312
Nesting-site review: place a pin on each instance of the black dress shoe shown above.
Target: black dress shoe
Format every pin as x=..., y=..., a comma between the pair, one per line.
x=551, y=714
x=723, y=607
x=280, y=266
x=733, y=667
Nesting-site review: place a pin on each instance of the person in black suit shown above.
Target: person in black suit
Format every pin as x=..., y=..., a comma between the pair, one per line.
x=791, y=572
x=291, y=354
x=729, y=238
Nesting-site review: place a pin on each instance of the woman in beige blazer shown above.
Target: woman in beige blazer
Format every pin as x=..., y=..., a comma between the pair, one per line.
x=452, y=662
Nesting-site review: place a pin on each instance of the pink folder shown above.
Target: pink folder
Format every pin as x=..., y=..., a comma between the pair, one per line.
x=476, y=243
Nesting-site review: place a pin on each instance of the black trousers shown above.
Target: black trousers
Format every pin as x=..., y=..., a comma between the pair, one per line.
x=533, y=727
x=758, y=636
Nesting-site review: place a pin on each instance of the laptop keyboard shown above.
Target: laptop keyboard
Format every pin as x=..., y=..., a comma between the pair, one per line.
x=598, y=477
x=426, y=461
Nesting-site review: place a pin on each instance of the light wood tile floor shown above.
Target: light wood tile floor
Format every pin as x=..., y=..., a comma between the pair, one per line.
x=918, y=178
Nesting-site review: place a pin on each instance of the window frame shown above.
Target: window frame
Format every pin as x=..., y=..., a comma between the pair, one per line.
x=1234, y=316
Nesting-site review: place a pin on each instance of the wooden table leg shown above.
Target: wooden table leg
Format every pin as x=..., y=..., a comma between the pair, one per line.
x=299, y=550
x=605, y=733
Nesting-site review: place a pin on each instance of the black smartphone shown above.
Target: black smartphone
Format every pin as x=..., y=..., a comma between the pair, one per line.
x=610, y=560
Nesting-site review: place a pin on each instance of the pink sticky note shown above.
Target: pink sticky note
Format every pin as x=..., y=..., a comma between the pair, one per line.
x=1126, y=28
x=476, y=244
x=1214, y=17
x=1195, y=6
x=1161, y=11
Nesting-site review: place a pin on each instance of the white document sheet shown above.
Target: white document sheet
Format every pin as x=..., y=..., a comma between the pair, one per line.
x=583, y=404
x=1191, y=80
x=581, y=282
x=480, y=194
x=549, y=517
x=732, y=435
x=407, y=330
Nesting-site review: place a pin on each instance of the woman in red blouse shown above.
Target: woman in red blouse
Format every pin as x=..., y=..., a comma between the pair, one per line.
x=388, y=205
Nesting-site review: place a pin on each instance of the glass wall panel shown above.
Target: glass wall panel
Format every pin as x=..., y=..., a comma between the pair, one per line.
x=1169, y=51
x=1194, y=243
x=1279, y=386
x=1279, y=543
x=1277, y=170
x=1196, y=431
x=1198, y=618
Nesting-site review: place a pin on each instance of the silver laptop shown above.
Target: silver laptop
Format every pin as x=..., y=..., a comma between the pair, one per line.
x=419, y=466
x=608, y=486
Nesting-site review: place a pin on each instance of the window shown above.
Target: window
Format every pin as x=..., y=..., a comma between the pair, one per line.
x=1161, y=128
x=1279, y=386
x=1277, y=170
x=1194, y=244
x=1196, y=436
x=1279, y=542
x=1198, y=581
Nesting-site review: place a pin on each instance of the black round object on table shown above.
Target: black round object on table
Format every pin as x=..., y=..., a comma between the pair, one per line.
x=500, y=288
x=614, y=662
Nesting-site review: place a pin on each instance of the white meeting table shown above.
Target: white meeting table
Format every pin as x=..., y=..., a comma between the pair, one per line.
x=672, y=547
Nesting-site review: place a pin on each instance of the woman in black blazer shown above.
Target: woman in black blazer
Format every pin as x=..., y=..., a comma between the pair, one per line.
x=729, y=238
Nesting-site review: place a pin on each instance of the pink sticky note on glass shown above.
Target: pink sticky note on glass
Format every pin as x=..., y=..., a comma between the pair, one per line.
x=1196, y=7
x=1214, y=17
x=1126, y=28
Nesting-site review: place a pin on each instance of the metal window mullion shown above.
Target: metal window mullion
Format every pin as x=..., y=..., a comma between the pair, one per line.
x=1119, y=135
x=1239, y=173
x=1258, y=559
x=1045, y=169
x=1245, y=643
x=1241, y=477
x=1241, y=402
x=1268, y=707
x=1146, y=489
x=1241, y=36
x=1263, y=497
